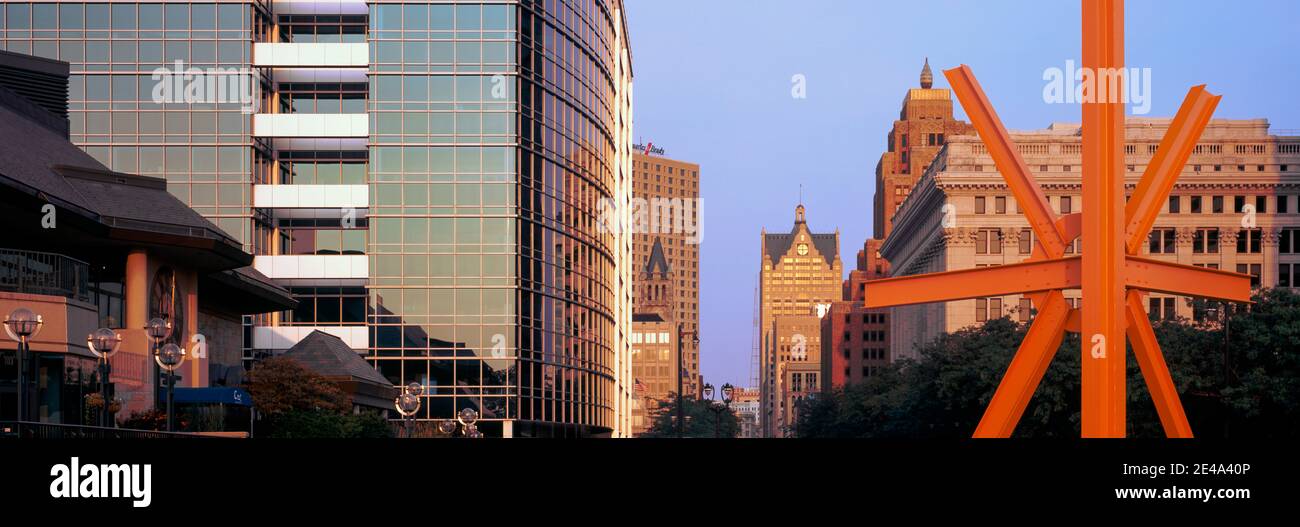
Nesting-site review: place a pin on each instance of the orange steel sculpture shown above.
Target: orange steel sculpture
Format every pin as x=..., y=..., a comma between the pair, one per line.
x=1113, y=278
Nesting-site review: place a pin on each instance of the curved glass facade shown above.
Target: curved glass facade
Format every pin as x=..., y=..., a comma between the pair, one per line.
x=494, y=130
x=492, y=141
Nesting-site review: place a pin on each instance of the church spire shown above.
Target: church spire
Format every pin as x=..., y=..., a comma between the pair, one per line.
x=927, y=77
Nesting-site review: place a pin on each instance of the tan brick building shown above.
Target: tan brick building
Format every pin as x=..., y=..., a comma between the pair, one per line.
x=801, y=276
x=665, y=195
x=1236, y=168
x=654, y=339
x=857, y=338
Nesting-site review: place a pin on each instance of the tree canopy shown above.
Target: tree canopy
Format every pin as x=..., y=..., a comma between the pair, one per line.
x=1247, y=384
x=703, y=419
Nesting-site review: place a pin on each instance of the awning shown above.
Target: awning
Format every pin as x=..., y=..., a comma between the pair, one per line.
x=212, y=395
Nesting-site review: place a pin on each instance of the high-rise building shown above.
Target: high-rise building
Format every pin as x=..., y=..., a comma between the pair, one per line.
x=1235, y=207
x=423, y=176
x=745, y=403
x=855, y=340
x=655, y=364
x=86, y=248
x=666, y=210
x=922, y=128
x=800, y=276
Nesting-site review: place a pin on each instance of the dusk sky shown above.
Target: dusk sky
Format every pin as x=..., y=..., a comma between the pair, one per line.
x=713, y=86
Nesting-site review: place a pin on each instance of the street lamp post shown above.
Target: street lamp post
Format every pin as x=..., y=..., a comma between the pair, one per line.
x=170, y=358
x=727, y=391
x=681, y=372
x=104, y=342
x=467, y=418
x=157, y=329
x=22, y=324
x=408, y=404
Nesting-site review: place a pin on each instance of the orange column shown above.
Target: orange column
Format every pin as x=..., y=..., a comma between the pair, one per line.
x=1103, y=375
x=137, y=289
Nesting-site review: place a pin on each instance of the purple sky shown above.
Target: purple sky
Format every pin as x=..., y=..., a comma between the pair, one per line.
x=713, y=83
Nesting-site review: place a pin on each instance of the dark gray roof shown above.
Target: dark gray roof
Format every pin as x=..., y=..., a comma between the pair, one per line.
x=39, y=160
x=657, y=263
x=328, y=355
x=128, y=200
x=28, y=151
x=647, y=317
x=779, y=244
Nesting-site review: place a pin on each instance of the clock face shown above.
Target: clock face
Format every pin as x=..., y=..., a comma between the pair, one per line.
x=803, y=249
x=165, y=301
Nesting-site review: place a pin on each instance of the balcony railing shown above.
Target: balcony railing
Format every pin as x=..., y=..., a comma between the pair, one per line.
x=29, y=430
x=41, y=273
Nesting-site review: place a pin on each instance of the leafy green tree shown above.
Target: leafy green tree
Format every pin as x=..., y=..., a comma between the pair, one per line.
x=322, y=424
x=703, y=419
x=295, y=402
x=1245, y=385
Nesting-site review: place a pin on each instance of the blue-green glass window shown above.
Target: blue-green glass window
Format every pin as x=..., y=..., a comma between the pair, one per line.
x=124, y=16
x=124, y=51
x=19, y=16
x=97, y=16
x=469, y=17
x=469, y=52
x=124, y=88
x=498, y=17
x=151, y=51
x=440, y=231
x=441, y=17
x=416, y=17
x=388, y=17
x=230, y=16
x=151, y=16
x=469, y=88
x=45, y=16
x=203, y=16
x=72, y=16
x=177, y=16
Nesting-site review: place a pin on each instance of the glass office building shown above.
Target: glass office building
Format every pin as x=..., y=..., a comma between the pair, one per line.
x=423, y=176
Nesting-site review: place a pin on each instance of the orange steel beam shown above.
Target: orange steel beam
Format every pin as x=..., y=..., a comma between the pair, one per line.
x=1037, y=277
x=1009, y=279
x=1158, y=181
x=1026, y=370
x=1103, y=373
x=1161, y=386
x=1186, y=280
x=1008, y=160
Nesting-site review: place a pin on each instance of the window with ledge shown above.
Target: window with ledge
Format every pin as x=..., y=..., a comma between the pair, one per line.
x=1175, y=203
x=1249, y=241
x=1026, y=241
x=1161, y=308
x=1161, y=241
x=1196, y=205
x=1254, y=270
x=1217, y=205
x=988, y=241
x=1205, y=241
x=980, y=205
x=1288, y=241
x=988, y=309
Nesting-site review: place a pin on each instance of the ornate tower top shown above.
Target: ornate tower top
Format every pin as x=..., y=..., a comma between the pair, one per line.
x=927, y=77
x=798, y=214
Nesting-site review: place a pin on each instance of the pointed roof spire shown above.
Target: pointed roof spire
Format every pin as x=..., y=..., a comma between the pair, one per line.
x=657, y=263
x=927, y=77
